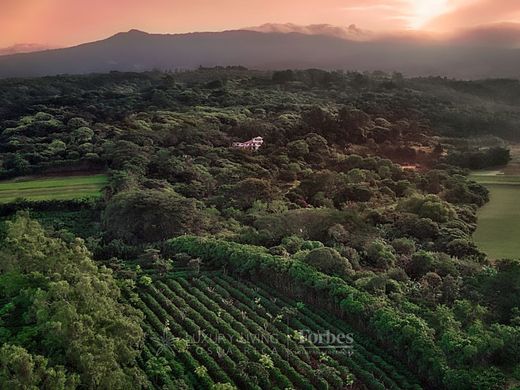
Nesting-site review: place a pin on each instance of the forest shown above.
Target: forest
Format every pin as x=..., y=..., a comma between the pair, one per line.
x=131, y=226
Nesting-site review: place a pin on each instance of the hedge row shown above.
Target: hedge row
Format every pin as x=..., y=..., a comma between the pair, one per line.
x=7, y=209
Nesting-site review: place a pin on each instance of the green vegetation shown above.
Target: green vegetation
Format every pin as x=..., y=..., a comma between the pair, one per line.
x=52, y=188
x=192, y=234
x=263, y=340
x=442, y=357
x=55, y=300
x=499, y=228
x=493, y=179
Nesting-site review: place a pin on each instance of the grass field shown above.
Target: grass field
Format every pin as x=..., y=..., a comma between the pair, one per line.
x=498, y=229
x=490, y=179
x=52, y=188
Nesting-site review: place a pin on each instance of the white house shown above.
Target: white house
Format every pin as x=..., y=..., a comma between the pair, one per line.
x=253, y=144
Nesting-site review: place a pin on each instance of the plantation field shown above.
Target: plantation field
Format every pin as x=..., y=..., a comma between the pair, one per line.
x=52, y=188
x=253, y=339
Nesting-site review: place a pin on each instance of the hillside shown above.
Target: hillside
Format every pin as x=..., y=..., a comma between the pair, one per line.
x=139, y=51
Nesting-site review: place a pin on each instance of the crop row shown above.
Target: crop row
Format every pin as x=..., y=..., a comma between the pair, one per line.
x=237, y=333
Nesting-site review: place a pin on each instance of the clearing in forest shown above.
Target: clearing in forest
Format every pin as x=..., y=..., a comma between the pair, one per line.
x=499, y=220
x=52, y=188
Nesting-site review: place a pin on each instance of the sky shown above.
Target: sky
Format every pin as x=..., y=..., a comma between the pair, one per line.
x=70, y=22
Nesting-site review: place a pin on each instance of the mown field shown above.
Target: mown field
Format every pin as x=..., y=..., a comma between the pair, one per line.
x=499, y=220
x=254, y=340
x=52, y=188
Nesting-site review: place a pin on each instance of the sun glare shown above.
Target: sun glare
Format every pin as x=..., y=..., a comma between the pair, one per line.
x=425, y=10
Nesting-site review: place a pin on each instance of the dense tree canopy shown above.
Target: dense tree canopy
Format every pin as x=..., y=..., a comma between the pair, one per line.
x=358, y=202
x=58, y=303
x=151, y=215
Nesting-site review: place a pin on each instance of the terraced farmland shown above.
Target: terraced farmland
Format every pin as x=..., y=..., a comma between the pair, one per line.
x=212, y=330
x=52, y=188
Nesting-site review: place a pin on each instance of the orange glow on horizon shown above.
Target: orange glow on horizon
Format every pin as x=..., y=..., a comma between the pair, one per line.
x=66, y=22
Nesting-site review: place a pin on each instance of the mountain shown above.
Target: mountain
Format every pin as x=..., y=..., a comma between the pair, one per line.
x=139, y=51
x=23, y=48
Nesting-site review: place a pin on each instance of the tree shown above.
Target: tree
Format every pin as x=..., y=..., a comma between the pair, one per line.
x=353, y=123
x=157, y=368
x=429, y=206
x=450, y=289
x=16, y=163
x=151, y=215
x=317, y=144
x=195, y=264
x=19, y=370
x=357, y=175
x=298, y=148
x=329, y=261
x=56, y=148
x=463, y=248
x=320, y=120
x=247, y=191
x=76, y=123
x=420, y=264
x=292, y=243
x=502, y=289
x=283, y=76
x=404, y=246
x=82, y=135
x=66, y=306
x=380, y=254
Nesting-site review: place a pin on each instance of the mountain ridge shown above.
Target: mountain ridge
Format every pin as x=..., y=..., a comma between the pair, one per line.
x=136, y=50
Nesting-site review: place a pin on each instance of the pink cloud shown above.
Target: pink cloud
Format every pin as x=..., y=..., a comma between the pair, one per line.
x=67, y=22
x=467, y=14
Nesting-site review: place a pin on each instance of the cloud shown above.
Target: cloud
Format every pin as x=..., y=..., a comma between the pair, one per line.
x=506, y=35
x=351, y=32
x=394, y=7
x=434, y=15
x=66, y=22
x=466, y=14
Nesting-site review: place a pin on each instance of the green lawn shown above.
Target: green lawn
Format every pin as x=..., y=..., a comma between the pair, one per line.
x=489, y=179
x=52, y=188
x=498, y=232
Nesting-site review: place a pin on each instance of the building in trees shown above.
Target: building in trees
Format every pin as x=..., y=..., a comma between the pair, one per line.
x=253, y=144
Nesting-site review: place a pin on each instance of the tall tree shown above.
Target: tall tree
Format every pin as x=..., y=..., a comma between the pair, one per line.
x=56, y=302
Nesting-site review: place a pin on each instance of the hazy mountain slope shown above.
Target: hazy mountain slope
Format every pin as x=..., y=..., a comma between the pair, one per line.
x=23, y=48
x=138, y=51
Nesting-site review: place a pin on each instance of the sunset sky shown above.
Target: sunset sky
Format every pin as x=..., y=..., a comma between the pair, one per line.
x=69, y=22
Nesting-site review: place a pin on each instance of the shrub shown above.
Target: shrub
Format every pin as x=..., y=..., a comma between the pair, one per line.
x=404, y=246
x=380, y=254
x=329, y=261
